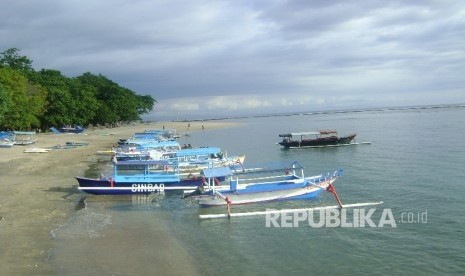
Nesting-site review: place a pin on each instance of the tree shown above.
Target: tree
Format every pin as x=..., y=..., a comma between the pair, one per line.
x=68, y=101
x=23, y=100
x=145, y=104
x=47, y=98
x=85, y=103
x=11, y=59
x=116, y=103
x=5, y=103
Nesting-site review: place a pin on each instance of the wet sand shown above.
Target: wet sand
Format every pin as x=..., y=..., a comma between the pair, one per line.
x=38, y=193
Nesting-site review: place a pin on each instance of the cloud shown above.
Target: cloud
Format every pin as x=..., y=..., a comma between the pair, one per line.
x=240, y=56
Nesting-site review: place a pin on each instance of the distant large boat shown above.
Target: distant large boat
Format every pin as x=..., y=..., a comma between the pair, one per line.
x=319, y=138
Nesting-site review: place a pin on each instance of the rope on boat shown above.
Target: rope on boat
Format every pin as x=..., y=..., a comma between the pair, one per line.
x=228, y=202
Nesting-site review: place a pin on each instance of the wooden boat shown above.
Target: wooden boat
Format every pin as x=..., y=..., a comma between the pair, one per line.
x=24, y=138
x=36, y=150
x=6, y=143
x=144, y=150
x=191, y=161
x=7, y=139
x=77, y=144
x=271, y=182
x=149, y=136
x=321, y=138
x=70, y=145
x=139, y=177
x=72, y=129
x=194, y=160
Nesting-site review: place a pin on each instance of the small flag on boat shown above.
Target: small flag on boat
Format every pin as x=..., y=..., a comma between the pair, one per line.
x=332, y=190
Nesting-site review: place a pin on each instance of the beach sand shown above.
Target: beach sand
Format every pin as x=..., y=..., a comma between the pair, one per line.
x=38, y=193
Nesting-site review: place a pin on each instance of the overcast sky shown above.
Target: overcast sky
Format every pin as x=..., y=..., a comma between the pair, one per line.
x=203, y=58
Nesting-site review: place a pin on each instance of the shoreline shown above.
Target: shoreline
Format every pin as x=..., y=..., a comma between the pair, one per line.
x=38, y=191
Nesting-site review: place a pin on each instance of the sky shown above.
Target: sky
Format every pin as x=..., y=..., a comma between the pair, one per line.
x=203, y=58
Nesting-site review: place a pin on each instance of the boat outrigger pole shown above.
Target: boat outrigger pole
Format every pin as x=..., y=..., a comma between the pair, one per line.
x=284, y=211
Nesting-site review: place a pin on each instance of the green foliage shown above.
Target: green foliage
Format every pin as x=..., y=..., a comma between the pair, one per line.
x=46, y=98
x=11, y=59
x=68, y=101
x=116, y=103
x=145, y=104
x=5, y=103
x=23, y=101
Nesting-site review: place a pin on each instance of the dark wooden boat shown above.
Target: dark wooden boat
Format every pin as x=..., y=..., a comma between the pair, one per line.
x=321, y=138
x=72, y=129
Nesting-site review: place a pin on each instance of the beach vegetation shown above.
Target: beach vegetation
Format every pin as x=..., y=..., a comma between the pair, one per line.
x=41, y=99
x=21, y=103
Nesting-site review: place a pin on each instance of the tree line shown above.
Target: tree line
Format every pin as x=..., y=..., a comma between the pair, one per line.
x=31, y=99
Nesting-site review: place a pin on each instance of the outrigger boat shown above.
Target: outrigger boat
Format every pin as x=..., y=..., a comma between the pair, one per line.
x=291, y=186
x=72, y=129
x=36, y=150
x=139, y=177
x=7, y=139
x=149, y=136
x=6, y=143
x=321, y=138
x=190, y=161
x=24, y=138
x=142, y=150
x=265, y=183
x=194, y=160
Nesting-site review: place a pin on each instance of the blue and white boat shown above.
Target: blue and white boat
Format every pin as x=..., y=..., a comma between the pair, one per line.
x=7, y=139
x=139, y=177
x=6, y=143
x=190, y=161
x=149, y=136
x=265, y=183
x=24, y=138
x=194, y=160
x=144, y=149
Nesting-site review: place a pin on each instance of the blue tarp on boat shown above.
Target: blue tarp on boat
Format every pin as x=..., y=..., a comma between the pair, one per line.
x=217, y=172
x=198, y=151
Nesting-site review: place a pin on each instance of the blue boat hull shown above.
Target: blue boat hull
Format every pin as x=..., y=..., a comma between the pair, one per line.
x=72, y=130
x=109, y=187
x=256, y=193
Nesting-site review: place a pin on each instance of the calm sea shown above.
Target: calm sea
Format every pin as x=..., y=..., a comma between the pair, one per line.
x=414, y=164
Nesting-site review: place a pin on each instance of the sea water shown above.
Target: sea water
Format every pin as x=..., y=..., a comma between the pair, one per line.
x=414, y=164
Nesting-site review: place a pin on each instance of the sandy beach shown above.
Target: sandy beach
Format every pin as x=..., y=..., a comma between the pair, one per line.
x=38, y=193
